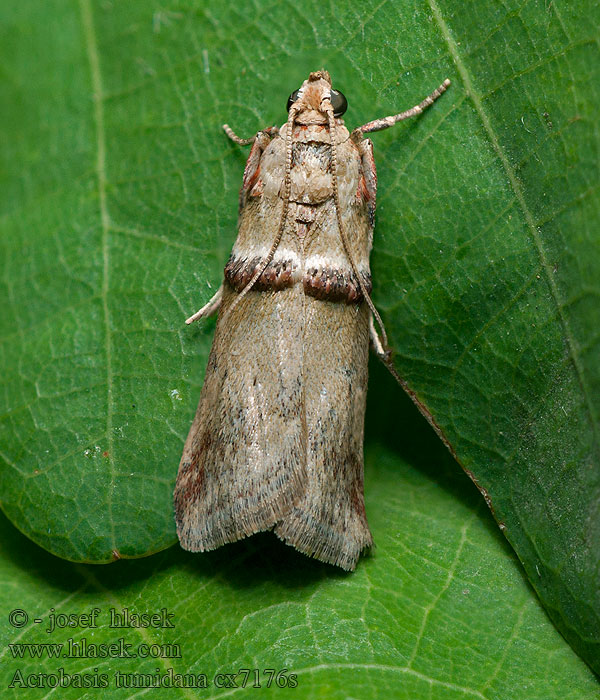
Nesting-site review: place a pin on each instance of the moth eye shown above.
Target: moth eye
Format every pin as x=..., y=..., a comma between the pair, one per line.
x=339, y=103
x=292, y=98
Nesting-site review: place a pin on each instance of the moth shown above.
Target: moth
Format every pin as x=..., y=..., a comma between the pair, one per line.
x=277, y=440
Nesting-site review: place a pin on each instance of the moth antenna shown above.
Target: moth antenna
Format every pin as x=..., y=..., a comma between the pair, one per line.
x=284, y=214
x=345, y=244
x=386, y=122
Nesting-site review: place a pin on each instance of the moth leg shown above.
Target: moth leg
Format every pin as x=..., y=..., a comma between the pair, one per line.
x=271, y=131
x=208, y=309
x=376, y=340
x=235, y=138
x=386, y=122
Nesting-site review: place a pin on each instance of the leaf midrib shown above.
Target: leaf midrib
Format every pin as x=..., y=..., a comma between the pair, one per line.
x=518, y=192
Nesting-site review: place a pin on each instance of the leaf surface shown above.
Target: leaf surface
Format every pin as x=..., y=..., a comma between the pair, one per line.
x=118, y=196
x=441, y=610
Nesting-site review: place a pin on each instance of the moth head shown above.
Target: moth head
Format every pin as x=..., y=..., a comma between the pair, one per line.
x=311, y=101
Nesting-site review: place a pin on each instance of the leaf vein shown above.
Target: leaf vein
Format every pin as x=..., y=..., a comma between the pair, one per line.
x=96, y=78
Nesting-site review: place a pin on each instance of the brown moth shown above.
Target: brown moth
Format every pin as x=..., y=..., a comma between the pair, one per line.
x=277, y=441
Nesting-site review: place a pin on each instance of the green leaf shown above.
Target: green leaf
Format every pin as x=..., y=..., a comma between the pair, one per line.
x=118, y=205
x=440, y=610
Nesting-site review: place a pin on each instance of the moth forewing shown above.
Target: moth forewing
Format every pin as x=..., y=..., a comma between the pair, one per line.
x=277, y=441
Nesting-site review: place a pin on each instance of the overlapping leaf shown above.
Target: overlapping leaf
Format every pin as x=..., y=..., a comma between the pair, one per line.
x=441, y=610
